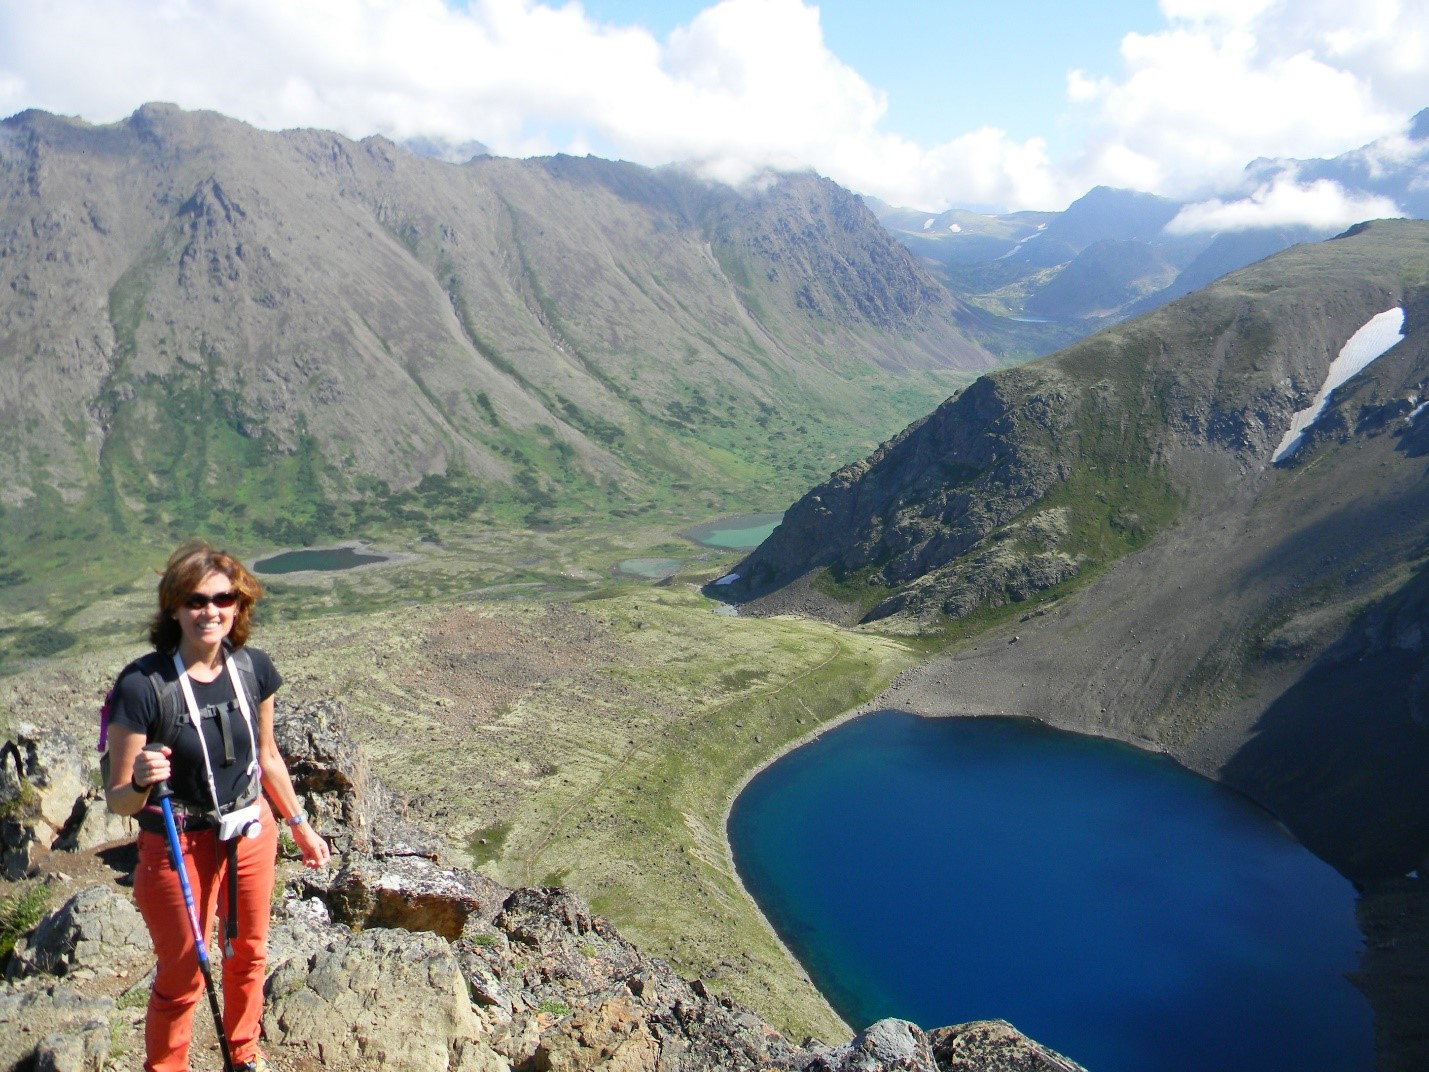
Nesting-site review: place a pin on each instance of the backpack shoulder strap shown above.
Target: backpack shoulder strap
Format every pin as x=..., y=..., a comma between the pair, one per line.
x=158, y=669
x=247, y=676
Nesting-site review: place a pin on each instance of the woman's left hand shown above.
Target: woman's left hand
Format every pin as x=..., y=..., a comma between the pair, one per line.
x=311, y=844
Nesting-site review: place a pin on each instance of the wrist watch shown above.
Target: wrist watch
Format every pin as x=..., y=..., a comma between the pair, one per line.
x=298, y=818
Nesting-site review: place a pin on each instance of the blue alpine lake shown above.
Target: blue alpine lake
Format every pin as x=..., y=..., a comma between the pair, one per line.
x=1110, y=904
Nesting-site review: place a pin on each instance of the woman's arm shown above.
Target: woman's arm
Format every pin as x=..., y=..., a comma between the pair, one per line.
x=132, y=770
x=279, y=787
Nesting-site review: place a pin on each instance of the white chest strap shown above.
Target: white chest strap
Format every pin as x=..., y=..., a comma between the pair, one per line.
x=241, y=694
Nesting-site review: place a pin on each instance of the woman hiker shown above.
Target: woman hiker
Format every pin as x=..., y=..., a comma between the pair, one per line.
x=201, y=674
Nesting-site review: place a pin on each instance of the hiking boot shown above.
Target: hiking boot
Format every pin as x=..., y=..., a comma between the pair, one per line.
x=258, y=1064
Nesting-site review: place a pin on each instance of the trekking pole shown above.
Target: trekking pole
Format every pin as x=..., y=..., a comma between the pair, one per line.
x=161, y=792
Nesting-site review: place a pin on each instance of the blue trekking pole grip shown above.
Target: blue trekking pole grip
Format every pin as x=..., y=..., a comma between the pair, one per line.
x=161, y=792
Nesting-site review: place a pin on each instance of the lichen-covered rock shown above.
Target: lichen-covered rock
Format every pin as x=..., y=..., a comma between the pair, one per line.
x=389, y=998
x=35, y=1019
x=613, y=1036
x=299, y=930
x=994, y=1046
x=97, y=929
x=327, y=770
x=886, y=1046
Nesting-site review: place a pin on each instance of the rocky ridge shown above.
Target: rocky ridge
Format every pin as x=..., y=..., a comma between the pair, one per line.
x=1033, y=475
x=397, y=959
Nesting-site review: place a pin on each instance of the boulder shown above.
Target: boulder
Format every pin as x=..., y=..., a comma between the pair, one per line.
x=92, y=824
x=886, y=1046
x=994, y=1046
x=53, y=1026
x=412, y=893
x=84, y=1048
x=42, y=780
x=389, y=998
x=97, y=930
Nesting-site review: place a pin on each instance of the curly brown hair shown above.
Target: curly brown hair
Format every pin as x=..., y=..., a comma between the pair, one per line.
x=190, y=563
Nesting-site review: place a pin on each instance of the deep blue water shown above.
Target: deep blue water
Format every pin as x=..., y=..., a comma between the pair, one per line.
x=317, y=558
x=1112, y=905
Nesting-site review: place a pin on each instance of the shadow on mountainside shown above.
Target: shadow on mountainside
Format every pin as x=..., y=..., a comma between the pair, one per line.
x=1341, y=754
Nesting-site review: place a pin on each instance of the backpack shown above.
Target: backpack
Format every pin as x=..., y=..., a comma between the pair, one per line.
x=159, y=670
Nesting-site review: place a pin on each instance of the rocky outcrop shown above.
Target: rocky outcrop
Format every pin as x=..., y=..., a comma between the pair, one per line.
x=50, y=799
x=96, y=930
x=401, y=961
x=916, y=519
x=55, y=1028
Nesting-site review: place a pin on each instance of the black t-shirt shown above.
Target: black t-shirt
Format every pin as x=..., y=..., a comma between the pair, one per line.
x=136, y=706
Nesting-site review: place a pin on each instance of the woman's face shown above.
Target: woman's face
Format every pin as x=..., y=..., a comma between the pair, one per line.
x=203, y=617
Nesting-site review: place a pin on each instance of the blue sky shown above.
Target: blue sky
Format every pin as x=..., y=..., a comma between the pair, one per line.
x=1002, y=104
x=953, y=65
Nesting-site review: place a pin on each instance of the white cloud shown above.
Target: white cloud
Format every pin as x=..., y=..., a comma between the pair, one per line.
x=1231, y=80
x=1284, y=202
x=745, y=86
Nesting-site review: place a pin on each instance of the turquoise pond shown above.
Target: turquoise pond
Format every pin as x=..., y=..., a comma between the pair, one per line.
x=743, y=532
x=654, y=569
x=316, y=558
x=1130, y=914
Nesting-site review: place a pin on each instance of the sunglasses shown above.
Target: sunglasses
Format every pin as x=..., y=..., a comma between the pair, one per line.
x=221, y=600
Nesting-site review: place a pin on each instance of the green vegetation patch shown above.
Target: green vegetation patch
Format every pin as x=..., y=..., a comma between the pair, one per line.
x=20, y=911
x=486, y=844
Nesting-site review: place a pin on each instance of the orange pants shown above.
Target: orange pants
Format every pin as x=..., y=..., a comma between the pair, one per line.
x=178, y=984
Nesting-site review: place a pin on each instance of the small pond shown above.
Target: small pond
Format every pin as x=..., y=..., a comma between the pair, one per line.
x=655, y=569
x=1112, y=905
x=743, y=532
x=316, y=558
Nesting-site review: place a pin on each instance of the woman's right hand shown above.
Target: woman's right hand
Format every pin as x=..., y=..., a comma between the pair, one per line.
x=151, y=766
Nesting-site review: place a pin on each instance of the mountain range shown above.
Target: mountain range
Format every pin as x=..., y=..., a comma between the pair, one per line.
x=280, y=336
x=1048, y=278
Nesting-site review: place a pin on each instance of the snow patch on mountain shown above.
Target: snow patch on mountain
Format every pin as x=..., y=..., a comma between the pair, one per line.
x=1371, y=341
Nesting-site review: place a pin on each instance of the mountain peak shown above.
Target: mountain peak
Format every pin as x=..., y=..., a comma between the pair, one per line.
x=1419, y=126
